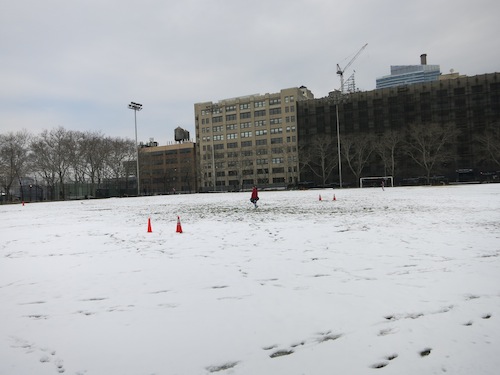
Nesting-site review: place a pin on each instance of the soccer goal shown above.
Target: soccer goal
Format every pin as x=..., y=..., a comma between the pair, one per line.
x=376, y=181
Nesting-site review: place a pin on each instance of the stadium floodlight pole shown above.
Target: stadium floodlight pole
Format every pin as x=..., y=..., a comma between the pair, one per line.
x=136, y=107
x=338, y=144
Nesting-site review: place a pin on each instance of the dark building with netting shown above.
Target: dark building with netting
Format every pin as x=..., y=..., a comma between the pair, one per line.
x=469, y=104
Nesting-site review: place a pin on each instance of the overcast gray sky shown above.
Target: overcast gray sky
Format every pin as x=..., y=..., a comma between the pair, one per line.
x=78, y=64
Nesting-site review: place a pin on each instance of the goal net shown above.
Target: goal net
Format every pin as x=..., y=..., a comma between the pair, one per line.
x=376, y=181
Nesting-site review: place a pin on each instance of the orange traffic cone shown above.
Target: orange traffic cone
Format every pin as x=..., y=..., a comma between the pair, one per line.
x=150, y=230
x=179, y=227
x=320, y=197
x=334, y=197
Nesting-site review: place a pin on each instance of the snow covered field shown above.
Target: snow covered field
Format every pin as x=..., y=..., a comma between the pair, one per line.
x=401, y=281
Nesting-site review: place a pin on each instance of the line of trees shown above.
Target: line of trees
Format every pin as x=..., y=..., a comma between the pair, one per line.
x=425, y=147
x=58, y=156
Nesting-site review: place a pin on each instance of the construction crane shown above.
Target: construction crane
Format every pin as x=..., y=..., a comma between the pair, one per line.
x=341, y=71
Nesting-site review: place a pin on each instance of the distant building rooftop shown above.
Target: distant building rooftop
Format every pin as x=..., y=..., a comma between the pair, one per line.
x=409, y=74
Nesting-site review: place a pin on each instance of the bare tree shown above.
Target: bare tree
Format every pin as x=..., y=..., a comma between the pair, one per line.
x=14, y=159
x=235, y=165
x=490, y=143
x=261, y=164
x=120, y=152
x=386, y=146
x=428, y=144
x=319, y=157
x=356, y=150
x=94, y=152
x=77, y=161
x=53, y=153
x=43, y=165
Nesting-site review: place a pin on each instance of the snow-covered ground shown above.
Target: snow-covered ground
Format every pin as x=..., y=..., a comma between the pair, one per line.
x=401, y=281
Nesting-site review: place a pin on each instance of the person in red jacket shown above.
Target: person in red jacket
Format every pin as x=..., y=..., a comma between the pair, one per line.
x=255, y=196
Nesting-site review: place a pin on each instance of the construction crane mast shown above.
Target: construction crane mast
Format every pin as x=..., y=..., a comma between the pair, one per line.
x=341, y=71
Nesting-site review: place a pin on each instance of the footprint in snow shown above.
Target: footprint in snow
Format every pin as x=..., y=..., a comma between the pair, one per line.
x=425, y=352
x=386, y=361
x=225, y=366
x=281, y=353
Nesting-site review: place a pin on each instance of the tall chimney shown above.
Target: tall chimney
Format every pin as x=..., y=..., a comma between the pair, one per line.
x=423, y=59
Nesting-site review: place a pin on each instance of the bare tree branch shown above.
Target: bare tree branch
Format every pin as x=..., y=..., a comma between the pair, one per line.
x=489, y=141
x=356, y=150
x=319, y=157
x=428, y=144
x=14, y=159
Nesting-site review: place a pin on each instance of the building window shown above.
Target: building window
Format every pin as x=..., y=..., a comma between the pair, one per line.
x=277, y=131
x=231, y=127
x=246, y=144
x=260, y=123
x=217, y=119
x=275, y=121
x=246, y=134
x=275, y=111
x=276, y=141
x=260, y=104
x=219, y=146
x=217, y=128
x=232, y=136
x=261, y=132
x=230, y=108
x=245, y=115
x=245, y=125
x=275, y=101
x=218, y=137
x=232, y=145
x=277, y=160
x=247, y=163
x=244, y=106
x=259, y=113
x=261, y=161
x=231, y=117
